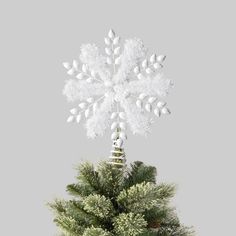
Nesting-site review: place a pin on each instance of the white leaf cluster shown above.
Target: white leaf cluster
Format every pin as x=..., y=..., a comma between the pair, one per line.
x=120, y=88
x=134, y=51
x=90, y=56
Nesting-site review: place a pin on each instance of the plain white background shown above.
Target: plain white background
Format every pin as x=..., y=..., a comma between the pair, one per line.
x=194, y=147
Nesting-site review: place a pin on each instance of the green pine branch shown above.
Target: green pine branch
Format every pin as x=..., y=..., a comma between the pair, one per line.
x=111, y=179
x=79, y=190
x=110, y=201
x=68, y=225
x=140, y=173
x=88, y=177
x=92, y=231
x=144, y=196
x=99, y=206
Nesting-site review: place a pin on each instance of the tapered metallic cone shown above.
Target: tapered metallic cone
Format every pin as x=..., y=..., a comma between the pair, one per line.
x=117, y=157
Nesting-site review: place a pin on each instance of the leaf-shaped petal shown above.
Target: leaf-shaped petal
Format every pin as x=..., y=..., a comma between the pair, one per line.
x=123, y=135
x=140, y=76
x=73, y=111
x=122, y=125
x=142, y=96
x=157, y=66
x=117, y=60
x=93, y=73
x=114, y=135
x=153, y=58
x=84, y=68
x=117, y=51
x=157, y=112
x=71, y=71
x=148, y=70
x=161, y=58
x=165, y=111
x=95, y=106
x=67, y=65
x=75, y=64
x=109, y=61
x=80, y=76
x=87, y=112
x=116, y=40
x=111, y=34
x=89, y=80
x=136, y=70
x=113, y=115
x=107, y=41
x=108, y=51
x=148, y=107
x=78, y=118
x=82, y=105
x=152, y=99
x=139, y=103
x=122, y=115
x=114, y=125
x=70, y=119
x=90, y=100
x=145, y=63
x=161, y=104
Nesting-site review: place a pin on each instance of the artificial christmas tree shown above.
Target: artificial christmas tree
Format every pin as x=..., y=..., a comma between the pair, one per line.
x=109, y=201
x=113, y=199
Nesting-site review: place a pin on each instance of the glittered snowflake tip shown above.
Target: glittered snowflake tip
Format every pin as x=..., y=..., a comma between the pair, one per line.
x=118, y=88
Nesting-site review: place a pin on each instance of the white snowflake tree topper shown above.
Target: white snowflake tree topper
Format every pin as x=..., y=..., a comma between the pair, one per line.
x=116, y=90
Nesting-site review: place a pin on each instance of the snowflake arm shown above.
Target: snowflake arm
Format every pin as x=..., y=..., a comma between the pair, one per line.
x=156, y=86
x=99, y=121
x=81, y=90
